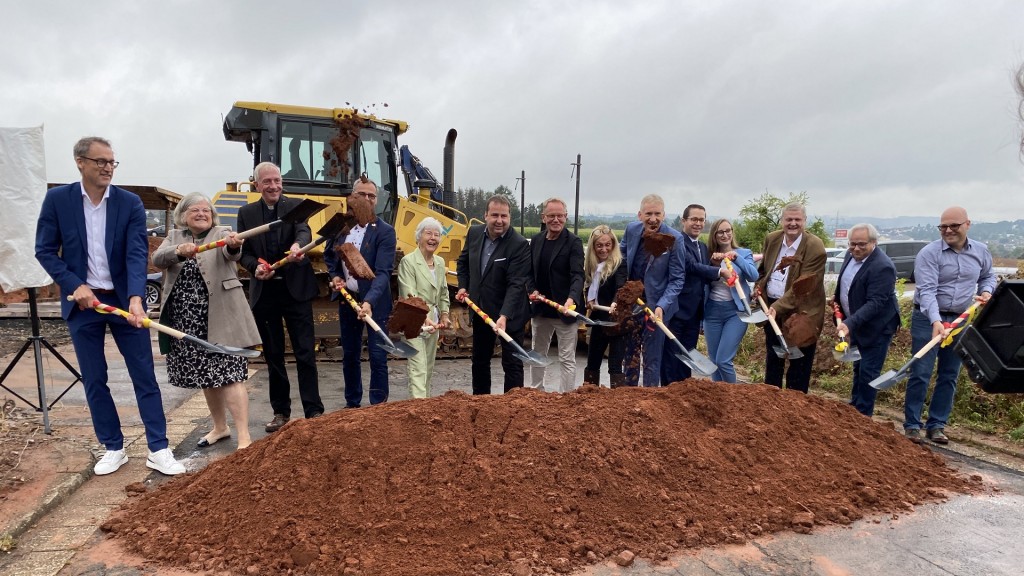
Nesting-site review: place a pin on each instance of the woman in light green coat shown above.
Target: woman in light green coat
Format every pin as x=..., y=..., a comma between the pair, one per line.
x=422, y=274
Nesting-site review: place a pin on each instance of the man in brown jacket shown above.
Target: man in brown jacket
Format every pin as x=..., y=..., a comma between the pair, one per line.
x=792, y=280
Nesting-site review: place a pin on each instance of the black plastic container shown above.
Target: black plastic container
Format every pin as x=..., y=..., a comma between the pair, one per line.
x=992, y=347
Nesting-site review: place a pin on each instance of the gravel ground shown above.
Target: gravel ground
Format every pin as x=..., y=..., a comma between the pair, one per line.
x=14, y=332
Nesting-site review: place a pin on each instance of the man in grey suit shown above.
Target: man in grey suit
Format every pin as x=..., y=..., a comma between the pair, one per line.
x=494, y=271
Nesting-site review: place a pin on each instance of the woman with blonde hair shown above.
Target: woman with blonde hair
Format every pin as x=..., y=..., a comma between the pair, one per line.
x=604, y=273
x=723, y=329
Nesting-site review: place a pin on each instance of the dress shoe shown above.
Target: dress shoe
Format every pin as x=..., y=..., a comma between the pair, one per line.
x=315, y=415
x=275, y=424
x=938, y=436
x=203, y=442
x=914, y=435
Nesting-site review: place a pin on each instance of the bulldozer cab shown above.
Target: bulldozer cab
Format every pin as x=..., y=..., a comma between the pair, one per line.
x=320, y=150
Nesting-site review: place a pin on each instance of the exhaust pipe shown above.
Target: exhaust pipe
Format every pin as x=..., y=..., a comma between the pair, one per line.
x=448, y=177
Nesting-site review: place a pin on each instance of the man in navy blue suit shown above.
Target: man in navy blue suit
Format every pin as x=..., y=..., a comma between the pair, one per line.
x=866, y=295
x=91, y=239
x=663, y=278
x=685, y=323
x=376, y=243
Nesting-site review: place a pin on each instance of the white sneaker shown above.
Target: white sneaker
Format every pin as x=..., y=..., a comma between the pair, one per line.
x=110, y=462
x=163, y=461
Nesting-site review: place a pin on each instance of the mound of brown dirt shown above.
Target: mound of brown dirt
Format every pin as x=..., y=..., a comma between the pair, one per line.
x=409, y=316
x=786, y=262
x=484, y=485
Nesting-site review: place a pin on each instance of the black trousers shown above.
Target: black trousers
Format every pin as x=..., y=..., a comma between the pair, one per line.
x=275, y=309
x=798, y=377
x=600, y=341
x=483, y=347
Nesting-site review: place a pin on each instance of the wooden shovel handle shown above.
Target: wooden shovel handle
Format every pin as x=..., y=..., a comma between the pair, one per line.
x=561, y=308
x=771, y=320
x=146, y=322
x=487, y=319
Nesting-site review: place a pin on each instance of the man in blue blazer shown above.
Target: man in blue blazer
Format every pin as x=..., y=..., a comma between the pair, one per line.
x=866, y=296
x=91, y=239
x=376, y=243
x=686, y=322
x=663, y=278
x=282, y=297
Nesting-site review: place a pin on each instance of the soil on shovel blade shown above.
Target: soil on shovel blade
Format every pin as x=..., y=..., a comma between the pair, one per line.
x=531, y=482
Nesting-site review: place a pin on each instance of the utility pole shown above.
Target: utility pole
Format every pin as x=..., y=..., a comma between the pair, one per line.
x=576, y=169
x=522, y=201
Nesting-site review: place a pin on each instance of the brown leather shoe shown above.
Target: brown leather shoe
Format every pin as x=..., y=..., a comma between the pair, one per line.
x=275, y=424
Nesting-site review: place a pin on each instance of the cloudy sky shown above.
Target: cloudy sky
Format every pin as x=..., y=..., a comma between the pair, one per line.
x=874, y=108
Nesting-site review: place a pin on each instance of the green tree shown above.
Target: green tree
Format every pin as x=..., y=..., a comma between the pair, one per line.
x=761, y=215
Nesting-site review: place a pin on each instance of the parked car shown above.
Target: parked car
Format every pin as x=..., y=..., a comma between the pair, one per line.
x=160, y=230
x=903, y=253
x=835, y=253
x=154, y=289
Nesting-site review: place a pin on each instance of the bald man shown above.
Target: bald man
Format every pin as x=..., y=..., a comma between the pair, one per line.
x=951, y=274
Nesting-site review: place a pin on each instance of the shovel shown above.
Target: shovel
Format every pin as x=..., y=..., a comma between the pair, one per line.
x=147, y=323
x=300, y=213
x=748, y=315
x=695, y=360
x=571, y=313
x=330, y=228
x=401, y=349
x=891, y=377
x=843, y=351
x=784, y=350
x=531, y=357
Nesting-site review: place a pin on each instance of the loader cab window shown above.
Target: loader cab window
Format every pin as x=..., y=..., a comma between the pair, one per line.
x=306, y=153
x=375, y=157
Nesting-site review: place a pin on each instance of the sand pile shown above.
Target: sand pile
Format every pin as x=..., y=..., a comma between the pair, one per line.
x=531, y=482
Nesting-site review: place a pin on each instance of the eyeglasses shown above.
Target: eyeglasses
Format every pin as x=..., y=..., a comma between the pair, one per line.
x=695, y=220
x=859, y=244
x=102, y=162
x=724, y=231
x=366, y=195
x=950, y=227
x=556, y=216
x=197, y=210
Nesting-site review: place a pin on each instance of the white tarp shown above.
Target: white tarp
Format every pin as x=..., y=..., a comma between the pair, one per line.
x=22, y=188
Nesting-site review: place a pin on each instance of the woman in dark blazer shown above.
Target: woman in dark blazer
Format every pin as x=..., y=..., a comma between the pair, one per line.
x=203, y=296
x=604, y=273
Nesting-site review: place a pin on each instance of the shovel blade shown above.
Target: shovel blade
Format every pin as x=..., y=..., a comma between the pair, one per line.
x=851, y=354
x=756, y=317
x=695, y=360
x=533, y=358
x=890, y=378
x=402, y=349
x=303, y=211
x=218, y=349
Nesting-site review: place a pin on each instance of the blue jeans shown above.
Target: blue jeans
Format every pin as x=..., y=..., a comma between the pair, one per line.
x=723, y=332
x=352, y=345
x=862, y=396
x=921, y=373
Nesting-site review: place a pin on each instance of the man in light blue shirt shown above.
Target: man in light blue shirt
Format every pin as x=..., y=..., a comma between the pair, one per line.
x=951, y=274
